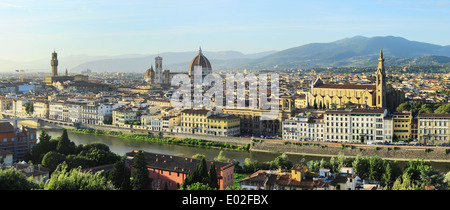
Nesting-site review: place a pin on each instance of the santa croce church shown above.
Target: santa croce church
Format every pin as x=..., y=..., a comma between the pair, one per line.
x=336, y=96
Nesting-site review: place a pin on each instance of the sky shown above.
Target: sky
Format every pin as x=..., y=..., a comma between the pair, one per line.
x=32, y=29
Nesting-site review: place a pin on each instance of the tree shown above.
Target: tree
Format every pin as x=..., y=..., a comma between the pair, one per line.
x=29, y=108
x=388, y=177
x=198, y=186
x=404, y=107
x=376, y=168
x=120, y=175
x=404, y=183
x=426, y=108
x=361, y=166
x=200, y=177
x=203, y=169
x=445, y=108
x=221, y=157
x=11, y=179
x=447, y=179
x=52, y=159
x=283, y=162
x=62, y=179
x=213, y=181
x=140, y=177
x=432, y=177
x=313, y=165
x=65, y=146
x=413, y=168
x=198, y=156
x=41, y=148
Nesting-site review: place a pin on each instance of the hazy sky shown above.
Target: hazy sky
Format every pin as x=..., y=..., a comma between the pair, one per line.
x=31, y=29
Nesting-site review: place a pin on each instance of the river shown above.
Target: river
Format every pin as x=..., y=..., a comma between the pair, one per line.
x=121, y=146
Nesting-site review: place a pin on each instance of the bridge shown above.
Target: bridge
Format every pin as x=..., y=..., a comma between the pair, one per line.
x=36, y=122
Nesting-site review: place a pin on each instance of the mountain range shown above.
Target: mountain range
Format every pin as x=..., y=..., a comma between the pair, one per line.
x=357, y=51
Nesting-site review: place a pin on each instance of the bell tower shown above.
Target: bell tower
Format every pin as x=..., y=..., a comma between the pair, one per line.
x=54, y=63
x=381, y=83
x=159, y=71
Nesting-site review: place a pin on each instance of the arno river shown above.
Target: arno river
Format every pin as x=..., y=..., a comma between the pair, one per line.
x=121, y=146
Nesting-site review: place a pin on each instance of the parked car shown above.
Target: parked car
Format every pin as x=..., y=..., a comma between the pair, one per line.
x=400, y=143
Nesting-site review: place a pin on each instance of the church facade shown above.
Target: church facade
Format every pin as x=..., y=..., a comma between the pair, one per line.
x=338, y=96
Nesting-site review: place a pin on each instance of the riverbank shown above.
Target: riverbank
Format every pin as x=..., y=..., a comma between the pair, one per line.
x=165, y=140
x=389, y=152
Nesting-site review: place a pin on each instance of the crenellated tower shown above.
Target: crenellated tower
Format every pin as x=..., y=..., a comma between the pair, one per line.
x=54, y=63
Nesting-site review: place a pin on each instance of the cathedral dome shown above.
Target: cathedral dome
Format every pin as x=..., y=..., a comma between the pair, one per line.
x=199, y=60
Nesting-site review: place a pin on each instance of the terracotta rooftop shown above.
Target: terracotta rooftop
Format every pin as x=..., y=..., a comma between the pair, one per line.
x=431, y=115
x=347, y=86
x=196, y=111
x=357, y=111
x=6, y=127
x=176, y=163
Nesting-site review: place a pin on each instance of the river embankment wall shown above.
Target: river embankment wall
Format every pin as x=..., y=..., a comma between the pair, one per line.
x=392, y=152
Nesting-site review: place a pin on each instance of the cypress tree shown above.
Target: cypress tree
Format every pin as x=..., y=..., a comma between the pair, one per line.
x=203, y=172
x=65, y=146
x=213, y=181
x=120, y=175
x=141, y=180
x=41, y=148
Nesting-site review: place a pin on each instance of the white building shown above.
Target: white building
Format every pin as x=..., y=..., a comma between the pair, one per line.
x=357, y=125
x=40, y=109
x=303, y=128
x=434, y=128
x=56, y=110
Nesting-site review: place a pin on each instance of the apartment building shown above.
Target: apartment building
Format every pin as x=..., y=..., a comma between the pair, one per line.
x=202, y=121
x=434, y=128
x=402, y=126
x=74, y=110
x=56, y=110
x=89, y=114
x=303, y=128
x=169, y=122
x=125, y=114
x=195, y=121
x=356, y=125
x=41, y=109
x=19, y=141
x=223, y=125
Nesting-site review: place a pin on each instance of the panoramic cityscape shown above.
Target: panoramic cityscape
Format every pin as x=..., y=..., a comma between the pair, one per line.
x=250, y=106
